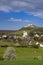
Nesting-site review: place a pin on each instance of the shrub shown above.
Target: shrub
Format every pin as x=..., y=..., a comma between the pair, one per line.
x=41, y=39
x=9, y=54
x=36, y=38
x=4, y=45
x=37, y=58
x=1, y=59
x=35, y=46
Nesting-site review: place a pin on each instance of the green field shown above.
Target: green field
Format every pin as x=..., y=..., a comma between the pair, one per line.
x=24, y=56
x=22, y=62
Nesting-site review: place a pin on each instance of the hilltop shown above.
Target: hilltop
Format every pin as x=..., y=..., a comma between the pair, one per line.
x=30, y=28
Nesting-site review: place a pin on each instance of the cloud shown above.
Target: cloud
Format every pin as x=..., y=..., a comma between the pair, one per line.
x=34, y=7
x=39, y=14
x=17, y=20
x=14, y=20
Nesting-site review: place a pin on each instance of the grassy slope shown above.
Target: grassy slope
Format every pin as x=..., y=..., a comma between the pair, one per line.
x=28, y=29
x=25, y=56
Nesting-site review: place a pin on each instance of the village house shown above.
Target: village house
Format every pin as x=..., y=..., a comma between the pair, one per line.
x=41, y=44
x=15, y=37
x=41, y=35
x=30, y=43
x=36, y=35
x=0, y=38
x=37, y=43
x=4, y=36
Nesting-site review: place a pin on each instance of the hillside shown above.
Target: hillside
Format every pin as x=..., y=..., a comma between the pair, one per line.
x=22, y=37
x=30, y=28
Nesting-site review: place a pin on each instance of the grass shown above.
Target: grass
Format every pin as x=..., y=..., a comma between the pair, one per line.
x=24, y=56
x=20, y=32
x=28, y=53
x=19, y=62
x=6, y=42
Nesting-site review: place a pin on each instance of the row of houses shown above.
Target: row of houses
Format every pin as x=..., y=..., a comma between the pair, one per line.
x=4, y=36
x=37, y=43
x=10, y=37
x=25, y=34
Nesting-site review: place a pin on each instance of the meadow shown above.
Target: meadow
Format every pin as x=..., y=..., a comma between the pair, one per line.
x=24, y=56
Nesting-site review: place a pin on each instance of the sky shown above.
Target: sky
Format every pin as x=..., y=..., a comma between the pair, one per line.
x=15, y=14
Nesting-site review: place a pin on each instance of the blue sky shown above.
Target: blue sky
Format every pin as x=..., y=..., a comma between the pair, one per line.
x=15, y=14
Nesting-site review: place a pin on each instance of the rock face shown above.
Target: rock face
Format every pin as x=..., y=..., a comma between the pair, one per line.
x=9, y=54
x=24, y=34
x=30, y=25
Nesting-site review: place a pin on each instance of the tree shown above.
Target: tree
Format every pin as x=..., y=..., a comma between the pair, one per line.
x=31, y=34
x=41, y=39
